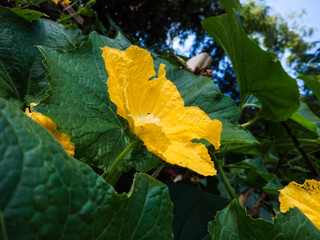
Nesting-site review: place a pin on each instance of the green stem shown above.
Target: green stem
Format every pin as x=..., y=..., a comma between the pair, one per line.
x=250, y=105
x=224, y=177
x=67, y=17
x=107, y=176
x=250, y=122
x=115, y=178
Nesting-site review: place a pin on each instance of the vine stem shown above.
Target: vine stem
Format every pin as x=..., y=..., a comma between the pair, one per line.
x=250, y=122
x=107, y=176
x=301, y=150
x=224, y=177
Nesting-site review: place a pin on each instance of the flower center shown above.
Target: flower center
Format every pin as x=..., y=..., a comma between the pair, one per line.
x=149, y=118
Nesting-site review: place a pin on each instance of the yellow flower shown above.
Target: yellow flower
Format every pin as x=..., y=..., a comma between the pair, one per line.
x=306, y=197
x=156, y=112
x=63, y=2
x=51, y=126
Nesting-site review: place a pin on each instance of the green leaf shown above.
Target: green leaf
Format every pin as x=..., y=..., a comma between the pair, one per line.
x=233, y=223
x=21, y=59
x=313, y=82
x=259, y=73
x=193, y=208
x=7, y=88
x=306, y=118
x=45, y=194
x=79, y=102
x=259, y=177
x=28, y=14
x=143, y=160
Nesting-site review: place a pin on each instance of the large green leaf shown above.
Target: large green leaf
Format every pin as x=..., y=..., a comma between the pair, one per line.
x=233, y=223
x=79, y=102
x=21, y=59
x=45, y=194
x=193, y=208
x=313, y=82
x=258, y=72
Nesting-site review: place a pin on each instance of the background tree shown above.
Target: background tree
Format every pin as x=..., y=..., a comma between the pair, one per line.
x=154, y=24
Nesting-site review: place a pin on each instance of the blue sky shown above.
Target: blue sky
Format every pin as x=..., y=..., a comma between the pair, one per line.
x=310, y=19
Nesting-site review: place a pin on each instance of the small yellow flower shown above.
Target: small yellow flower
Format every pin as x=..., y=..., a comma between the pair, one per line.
x=51, y=126
x=306, y=197
x=156, y=112
x=63, y=2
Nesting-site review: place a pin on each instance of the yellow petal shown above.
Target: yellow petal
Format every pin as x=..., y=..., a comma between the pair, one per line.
x=129, y=72
x=192, y=123
x=51, y=126
x=153, y=136
x=64, y=2
x=156, y=112
x=115, y=62
x=306, y=197
x=193, y=156
x=162, y=96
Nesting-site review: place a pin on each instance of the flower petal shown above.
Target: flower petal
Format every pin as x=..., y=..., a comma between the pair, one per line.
x=129, y=73
x=152, y=136
x=115, y=62
x=192, y=123
x=190, y=155
x=163, y=97
x=306, y=197
x=51, y=126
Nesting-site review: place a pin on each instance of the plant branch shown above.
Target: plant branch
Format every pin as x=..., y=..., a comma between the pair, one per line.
x=301, y=150
x=158, y=170
x=255, y=210
x=181, y=62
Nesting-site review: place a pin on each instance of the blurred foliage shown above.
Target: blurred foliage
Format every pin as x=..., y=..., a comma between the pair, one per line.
x=274, y=33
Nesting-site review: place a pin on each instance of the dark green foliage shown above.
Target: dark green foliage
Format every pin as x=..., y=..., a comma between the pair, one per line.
x=193, y=208
x=20, y=61
x=46, y=194
x=233, y=223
